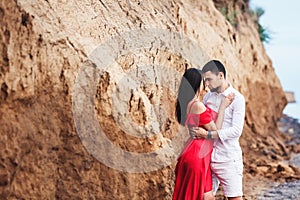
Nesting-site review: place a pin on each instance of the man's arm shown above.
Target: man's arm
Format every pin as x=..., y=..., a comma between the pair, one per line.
x=237, y=121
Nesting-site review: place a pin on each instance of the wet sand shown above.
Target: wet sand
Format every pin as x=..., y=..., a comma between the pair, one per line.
x=290, y=190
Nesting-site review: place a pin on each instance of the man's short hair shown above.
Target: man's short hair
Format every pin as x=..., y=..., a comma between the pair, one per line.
x=215, y=67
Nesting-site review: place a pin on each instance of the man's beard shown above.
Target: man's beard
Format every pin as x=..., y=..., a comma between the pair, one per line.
x=216, y=89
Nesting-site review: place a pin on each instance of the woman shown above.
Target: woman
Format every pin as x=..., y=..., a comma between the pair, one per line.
x=193, y=174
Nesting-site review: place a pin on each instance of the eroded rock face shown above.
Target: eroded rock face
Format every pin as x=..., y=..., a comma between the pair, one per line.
x=44, y=46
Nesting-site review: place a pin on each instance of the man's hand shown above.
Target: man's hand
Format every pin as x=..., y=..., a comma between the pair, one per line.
x=197, y=132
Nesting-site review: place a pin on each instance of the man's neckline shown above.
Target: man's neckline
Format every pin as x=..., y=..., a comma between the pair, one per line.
x=225, y=91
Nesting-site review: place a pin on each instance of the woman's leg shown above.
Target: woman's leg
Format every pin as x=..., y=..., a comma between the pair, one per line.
x=208, y=196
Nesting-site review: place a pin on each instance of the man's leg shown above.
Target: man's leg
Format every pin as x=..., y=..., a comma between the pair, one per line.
x=215, y=183
x=230, y=175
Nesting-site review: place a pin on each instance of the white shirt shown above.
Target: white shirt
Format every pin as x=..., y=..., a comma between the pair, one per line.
x=227, y=147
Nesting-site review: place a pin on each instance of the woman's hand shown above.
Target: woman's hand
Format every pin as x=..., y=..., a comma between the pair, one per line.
x=197, y=132
x=227, y=100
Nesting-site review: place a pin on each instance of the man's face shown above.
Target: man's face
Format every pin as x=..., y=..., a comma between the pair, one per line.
x=212, y=81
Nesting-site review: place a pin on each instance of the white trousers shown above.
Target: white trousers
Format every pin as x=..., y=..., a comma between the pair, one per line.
x=230, y=175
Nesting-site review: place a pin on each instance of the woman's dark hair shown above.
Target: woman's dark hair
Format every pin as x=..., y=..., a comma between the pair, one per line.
x=188, y=87
x=215, y=67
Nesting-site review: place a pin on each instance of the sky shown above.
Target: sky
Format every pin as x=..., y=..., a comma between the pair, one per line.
x=282, y=19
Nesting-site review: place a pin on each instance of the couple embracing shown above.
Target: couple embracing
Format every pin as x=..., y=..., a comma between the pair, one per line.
x=213, y=154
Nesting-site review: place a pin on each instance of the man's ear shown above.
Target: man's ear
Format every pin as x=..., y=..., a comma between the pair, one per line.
x=221, y=75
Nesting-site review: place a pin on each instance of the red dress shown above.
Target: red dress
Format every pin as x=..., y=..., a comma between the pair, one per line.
x=193, y=173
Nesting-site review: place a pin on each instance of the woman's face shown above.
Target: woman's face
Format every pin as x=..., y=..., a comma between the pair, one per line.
x=202, y=89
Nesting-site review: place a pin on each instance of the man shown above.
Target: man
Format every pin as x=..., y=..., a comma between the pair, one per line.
x=226, y=162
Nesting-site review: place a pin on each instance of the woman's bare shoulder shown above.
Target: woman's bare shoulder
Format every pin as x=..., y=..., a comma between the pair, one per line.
x=198, y=107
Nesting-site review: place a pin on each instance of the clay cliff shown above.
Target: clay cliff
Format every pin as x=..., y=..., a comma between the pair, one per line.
x=70, y=70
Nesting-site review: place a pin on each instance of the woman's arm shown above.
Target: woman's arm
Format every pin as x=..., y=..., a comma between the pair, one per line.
x=212, y=127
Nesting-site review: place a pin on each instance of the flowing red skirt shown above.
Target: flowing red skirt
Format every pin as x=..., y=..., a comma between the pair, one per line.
x=193, y=173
